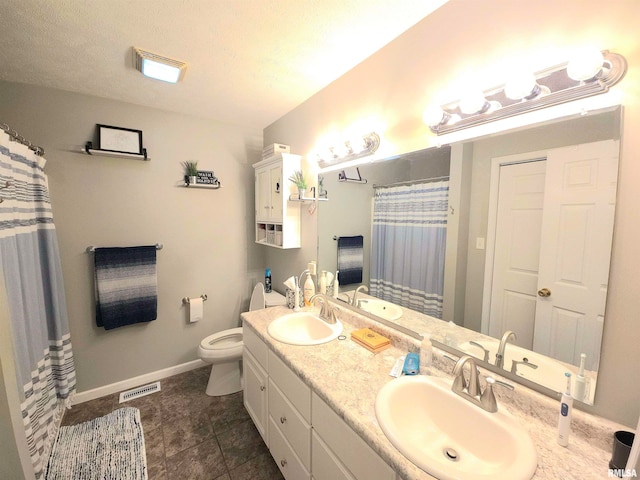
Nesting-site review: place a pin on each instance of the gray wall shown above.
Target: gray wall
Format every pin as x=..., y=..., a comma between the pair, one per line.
x=104, y=201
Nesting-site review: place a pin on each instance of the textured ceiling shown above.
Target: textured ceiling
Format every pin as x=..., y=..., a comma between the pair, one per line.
x=250, y=61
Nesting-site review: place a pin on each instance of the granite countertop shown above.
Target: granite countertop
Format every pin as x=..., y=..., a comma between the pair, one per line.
x=348, y=377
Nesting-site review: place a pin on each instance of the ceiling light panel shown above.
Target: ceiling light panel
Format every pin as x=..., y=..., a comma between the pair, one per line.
x=158, y=67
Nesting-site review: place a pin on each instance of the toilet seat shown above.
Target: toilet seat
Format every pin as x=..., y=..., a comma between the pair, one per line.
x=258, y=301
x=226, y=344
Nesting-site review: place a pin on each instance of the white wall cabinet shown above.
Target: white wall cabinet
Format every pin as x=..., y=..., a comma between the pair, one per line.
x=306, y=438
x=277, y=218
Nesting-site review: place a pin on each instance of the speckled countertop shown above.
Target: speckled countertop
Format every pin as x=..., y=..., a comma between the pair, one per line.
x=348, y=378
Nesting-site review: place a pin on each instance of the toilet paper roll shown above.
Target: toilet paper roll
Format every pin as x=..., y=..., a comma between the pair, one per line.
x=196, y=309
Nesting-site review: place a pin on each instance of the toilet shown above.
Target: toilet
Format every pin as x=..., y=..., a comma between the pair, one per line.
x=224, y=349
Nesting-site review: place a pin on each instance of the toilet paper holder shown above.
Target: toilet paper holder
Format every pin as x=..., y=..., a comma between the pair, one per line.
x=185, y=300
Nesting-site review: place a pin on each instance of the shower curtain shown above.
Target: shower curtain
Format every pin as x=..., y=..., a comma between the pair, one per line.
x=408, y=245
x=30, y=263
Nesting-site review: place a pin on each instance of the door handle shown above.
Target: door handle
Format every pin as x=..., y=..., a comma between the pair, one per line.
x=544, y=292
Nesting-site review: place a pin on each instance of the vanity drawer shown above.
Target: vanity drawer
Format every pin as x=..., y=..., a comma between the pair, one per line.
x=363, y=463
x=286, y=459
x=255, y=345
x=290, y=423
x=298, y=393
x=325, y=464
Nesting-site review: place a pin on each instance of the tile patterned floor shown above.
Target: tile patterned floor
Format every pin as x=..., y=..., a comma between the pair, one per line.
x=189, y=435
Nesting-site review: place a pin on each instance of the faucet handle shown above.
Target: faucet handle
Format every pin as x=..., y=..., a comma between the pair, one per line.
x=525, y=361
x=488, y=398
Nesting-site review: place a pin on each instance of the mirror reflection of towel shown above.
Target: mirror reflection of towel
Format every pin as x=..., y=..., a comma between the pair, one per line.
x=350, y=259
x=126, y=286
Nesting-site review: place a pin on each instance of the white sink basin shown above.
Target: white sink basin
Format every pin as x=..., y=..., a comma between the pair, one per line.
x=448, y=436
x=380, y=308
x=303, y=328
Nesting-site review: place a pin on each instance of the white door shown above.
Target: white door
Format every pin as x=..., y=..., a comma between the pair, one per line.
x=276, y=193
x=575, y=250
x=517, y=250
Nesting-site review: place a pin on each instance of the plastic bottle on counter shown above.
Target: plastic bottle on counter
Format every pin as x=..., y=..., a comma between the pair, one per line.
x=267, y=280
x=309, y=290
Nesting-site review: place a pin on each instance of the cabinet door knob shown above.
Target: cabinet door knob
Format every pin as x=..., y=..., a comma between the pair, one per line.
x=283, y=462
x=283, y=419
x=544, y=292
x=262, y=388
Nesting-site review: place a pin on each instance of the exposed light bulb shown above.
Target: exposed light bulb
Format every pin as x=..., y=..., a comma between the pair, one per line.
x=434, y=116
x=357, y=144
x=586, y=65
x=522, y=86
x=473, y=102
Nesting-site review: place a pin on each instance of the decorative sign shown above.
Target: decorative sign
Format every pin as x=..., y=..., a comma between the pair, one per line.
x=206, y=178
x=121, y=140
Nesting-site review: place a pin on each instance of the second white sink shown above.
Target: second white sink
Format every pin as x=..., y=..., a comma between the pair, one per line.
x=303, y=328
x=448, y=436
x=380, y=308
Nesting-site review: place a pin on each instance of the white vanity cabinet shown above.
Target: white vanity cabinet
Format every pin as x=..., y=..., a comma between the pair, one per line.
x=289, y=420
x=306, y=438
x=256, y=381
x=277, y=218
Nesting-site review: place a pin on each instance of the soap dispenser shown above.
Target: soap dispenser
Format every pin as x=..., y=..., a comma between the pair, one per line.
x=309, y=290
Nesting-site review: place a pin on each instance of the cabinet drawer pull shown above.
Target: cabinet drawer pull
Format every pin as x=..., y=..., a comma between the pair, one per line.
x=283, y=462
x=262, y=388
x=283, y=419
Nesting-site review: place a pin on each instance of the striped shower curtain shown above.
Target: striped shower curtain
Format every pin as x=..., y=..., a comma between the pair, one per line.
x=408, y=245
x=30, y=263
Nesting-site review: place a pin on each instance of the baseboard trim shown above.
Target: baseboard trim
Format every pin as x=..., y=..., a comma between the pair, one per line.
x=81, y=397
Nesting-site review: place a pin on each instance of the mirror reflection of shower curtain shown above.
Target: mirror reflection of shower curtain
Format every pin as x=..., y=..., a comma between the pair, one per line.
x=30, y=262
x=408, y=245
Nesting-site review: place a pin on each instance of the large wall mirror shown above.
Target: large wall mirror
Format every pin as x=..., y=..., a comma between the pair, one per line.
x=527, y=221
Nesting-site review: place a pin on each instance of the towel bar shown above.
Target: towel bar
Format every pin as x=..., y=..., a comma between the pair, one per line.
x=185, y=300
x=91, y=248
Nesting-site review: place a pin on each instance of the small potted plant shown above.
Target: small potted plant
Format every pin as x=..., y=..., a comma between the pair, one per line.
x=190, y=171
x=298, y=179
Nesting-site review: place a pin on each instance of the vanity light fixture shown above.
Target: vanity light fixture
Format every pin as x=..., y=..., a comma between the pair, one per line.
x=349, y=150
x=590, y=73
x=158, y=67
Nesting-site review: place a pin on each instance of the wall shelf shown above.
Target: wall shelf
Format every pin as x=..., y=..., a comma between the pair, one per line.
x=211, y=186
x=294, y=198
x=89, y=150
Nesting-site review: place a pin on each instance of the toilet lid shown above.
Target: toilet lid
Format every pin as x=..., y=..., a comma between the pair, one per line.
x=257, y=298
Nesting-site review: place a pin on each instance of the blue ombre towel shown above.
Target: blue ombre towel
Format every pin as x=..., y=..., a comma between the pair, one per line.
x=350, y=260
x=126, y=286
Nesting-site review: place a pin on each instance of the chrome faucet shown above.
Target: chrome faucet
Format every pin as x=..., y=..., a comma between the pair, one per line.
x=327, y=312
x=355, y=294
x=471, y=391
x=485, y=356
x=508, y=335
x=460, y=383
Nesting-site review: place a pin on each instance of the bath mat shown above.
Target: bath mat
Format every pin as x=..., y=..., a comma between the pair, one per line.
x=106, y=448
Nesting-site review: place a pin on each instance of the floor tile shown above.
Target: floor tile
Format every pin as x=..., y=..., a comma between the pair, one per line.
x=201, y=462
x=241, y=444
x=186, y=431
x=227, y=411
x=86, y=411
x=261, y=467
x=157, y=471
x=154, y=446
x=150, y=410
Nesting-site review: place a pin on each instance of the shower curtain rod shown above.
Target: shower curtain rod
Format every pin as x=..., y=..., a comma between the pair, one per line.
x=20, y=139
x=411, y=182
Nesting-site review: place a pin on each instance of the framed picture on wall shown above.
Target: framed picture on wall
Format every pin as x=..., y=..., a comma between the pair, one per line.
x=118, y=139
